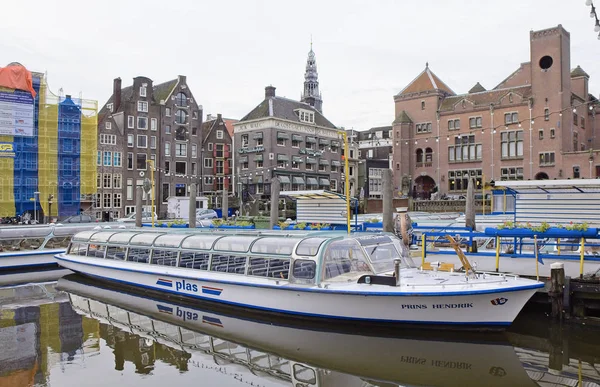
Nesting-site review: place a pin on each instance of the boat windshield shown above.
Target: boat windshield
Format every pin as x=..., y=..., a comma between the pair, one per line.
x=382, y=257
x=345, y=259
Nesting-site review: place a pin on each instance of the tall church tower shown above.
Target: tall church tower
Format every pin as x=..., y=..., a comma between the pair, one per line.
x=311, y=93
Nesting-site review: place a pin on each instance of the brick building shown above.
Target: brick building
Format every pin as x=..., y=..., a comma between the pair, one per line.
x=538, y=123
x=217, y=158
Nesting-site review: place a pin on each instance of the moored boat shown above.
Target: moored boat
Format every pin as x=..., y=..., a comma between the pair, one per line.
x=314, y=275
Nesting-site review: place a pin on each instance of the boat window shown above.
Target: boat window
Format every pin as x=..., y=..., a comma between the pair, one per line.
x=96, y=251
x=310, y=246
x=170, y=240
x=145, y=239
x=305, y=374
x=57, y=242
x=304, y=269
x=269, y=267
x=228, y=264
x=382, y=256
x=194, y=260
x=83, y=236
x=271, y=245
x=234, y=243
x=164, y=257
x=345, y=257
x=200, y=242
x=101, y=236
x=78, y=249
x=139, y=255
x=121, y=237
x=116, y=252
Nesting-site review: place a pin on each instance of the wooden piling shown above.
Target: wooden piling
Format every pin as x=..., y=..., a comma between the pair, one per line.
x=274, y=213
x=192, y=207
x=557, y=287
x=138, y=206
x=388, y=201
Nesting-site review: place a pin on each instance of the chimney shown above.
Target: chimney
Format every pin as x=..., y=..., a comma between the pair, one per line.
x=219, y=116
x=116, y=94
x=269, y=92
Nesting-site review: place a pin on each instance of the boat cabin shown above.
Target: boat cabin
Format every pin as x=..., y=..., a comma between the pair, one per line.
x=302, y=258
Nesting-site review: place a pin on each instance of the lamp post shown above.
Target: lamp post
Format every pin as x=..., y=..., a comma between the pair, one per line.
x=50, y=197
x=151, y=162
x=36, y=198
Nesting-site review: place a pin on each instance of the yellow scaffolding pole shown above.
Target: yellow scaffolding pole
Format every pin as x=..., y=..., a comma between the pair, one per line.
x=497, y=253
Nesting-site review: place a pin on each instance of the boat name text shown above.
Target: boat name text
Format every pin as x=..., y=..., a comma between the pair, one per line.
x=437, y=306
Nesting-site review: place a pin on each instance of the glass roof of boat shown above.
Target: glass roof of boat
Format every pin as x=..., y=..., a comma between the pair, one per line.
x=235, y=243
x=121, y=237
x=274, y=245
x=101, y=236
x=202, y=242
x=170, y=240
x=145, y=239
x=310, y=246
x=84, y=236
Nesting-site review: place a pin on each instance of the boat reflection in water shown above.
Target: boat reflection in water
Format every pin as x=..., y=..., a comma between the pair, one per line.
x=307, y=355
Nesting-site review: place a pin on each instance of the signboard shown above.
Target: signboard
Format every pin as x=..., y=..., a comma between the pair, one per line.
x=7, y=149
x=16, y=113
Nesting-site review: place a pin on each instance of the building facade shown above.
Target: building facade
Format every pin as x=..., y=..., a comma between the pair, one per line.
x=538, y=123
x=47, y=148
x=290, y=140
x=141, y=127
x=217, y=159
x=375, y=153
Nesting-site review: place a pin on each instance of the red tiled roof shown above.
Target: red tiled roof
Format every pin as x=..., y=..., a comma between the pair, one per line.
x=426, y=81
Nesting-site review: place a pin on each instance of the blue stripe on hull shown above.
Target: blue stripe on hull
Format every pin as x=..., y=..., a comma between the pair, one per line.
x=29, y=267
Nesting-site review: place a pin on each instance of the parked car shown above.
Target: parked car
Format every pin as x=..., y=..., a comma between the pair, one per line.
x=206, y=214
x=146, y=217
x=81, y=218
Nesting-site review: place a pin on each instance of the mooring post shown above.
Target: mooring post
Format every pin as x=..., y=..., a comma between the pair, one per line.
x=557, y=287
x=388, y=201
x=274, y=214
x=225, y=205
x=192, y=207
x=138, y=206
x=397, y=271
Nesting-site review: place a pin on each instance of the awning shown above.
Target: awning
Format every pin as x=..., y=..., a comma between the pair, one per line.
x=257, y=135
x=298, y=180
x=243, y=159
x=311, y=140
x=282, y=158
x=335, y=143
x=324, y=141
x=324, y=182
x=297, y=159
x=311, y=181
x=282, y=136
x=297, y=137
x=324, y=162
x=311, y=161
x=284, y=179
x=258, y=157
x=336, y=163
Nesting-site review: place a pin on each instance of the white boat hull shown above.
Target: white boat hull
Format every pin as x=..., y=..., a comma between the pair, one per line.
x=31, y=259
x=482, y=307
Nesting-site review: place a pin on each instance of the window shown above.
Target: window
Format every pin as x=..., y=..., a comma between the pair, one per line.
x=259, y=141
x=511, y=143
x=99, y=158
x=142, y=141
x=334, y=168
x=152, y=142
x=142, y=106
x=117, y=200
x=259, y=163
x=546, y=114
x=117, y=181
x=194, y=172
x=107, y=125
x=106, y=202
x=129, y=160
x=423, y=128
x=464, y=149
x=142, y=123
x=280, y=141
x=107, y=159
x=153, y=124
x=168, y=112
x=541, y=134
x=208, y=163
x=181, y=99
x=454, y=124
x=575, y=119
x=219, y=151
x=219, y=134
x=310, y=166
x=582, y=125
x=476, y=122
x=130, y=140
x=458, y=180
x=130, y=122
x=195, y=115
x=180, y=117
x=129, y=189
x=244, y=140
x=165, y=192
x=220, y=166
x=117, y=159
x=306, y=116
x=143, y=90
x=512, y=173
x=333, y=185
x=107, y=180
x=109, y=106
x=210, y=146
x=194, y=151
x=510, y=118
x=108, y=139
x=576, y=174
x=141, y=161
x=546, y=158
x=167, y=167
x=180, y=150
x=322, y=168
x=180, y=168
x=552, y=133
x=422, y=105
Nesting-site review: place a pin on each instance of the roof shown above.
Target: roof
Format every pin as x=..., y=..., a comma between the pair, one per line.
x=426, y=81
x=485, y=97
x=578, y=72
x=162, y=90
x=285, y=108
x=477, y=88
x=519, y=77
x=229, y=125
x=403, y=118
x=571, y=185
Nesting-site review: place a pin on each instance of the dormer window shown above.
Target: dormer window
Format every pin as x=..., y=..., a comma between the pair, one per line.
x=306, y=116
x=109, y=106
x=143, y=89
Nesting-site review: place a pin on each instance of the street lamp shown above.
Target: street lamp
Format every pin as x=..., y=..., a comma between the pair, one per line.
x=50, y=197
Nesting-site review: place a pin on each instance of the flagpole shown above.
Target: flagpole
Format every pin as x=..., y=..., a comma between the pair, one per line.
x=537, y=263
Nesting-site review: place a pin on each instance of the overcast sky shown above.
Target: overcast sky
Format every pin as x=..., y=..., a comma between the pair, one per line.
x=366, y=51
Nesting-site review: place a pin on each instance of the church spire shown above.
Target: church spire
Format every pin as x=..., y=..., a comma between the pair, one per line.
x=311, y=93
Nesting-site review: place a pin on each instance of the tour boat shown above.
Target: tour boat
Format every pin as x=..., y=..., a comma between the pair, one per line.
x=319, y=355
x=34, y=247
x=314, y=275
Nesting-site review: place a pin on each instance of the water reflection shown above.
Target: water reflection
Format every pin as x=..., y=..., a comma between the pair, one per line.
x=95, y=336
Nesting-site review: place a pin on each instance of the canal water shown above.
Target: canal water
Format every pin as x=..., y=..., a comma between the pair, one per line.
x=77, y=333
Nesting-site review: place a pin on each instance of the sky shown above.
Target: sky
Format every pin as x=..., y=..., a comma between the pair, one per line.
x=366, y=51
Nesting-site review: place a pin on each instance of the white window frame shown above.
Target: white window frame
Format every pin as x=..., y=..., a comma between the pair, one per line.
x=153, y=124
x=194, y=151
x=130, y=141
x=167, y=148
x=132, y=161
x=140, y=137
x=208, y=162
x=108, y=125
x=219, y=134
x=143, y=90
x=129, y=189
x=109, y=107
x=152, y=142
x=130, y=122
x=181, y=146
x=168, y=112
x=117, y=156
x=140, y=119
x=142, y=106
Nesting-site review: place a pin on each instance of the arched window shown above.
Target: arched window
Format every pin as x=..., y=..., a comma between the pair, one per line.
x=181, y=99
x=181, y=117
x=419, y=155
x=428, y=155
x=180, y=134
